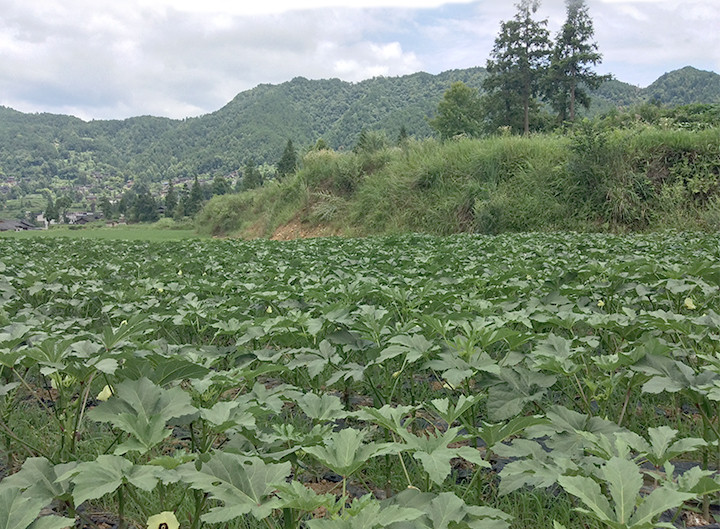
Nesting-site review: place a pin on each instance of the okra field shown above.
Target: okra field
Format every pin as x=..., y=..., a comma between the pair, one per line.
x=524, y=380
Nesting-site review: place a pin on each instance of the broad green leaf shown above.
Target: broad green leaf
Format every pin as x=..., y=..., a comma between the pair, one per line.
x=434, y=454
x=373, y=515
x=172, y=462
x=95, y=479
x=18, y=511
x=7, y=388
x=13, y=335
x=447, y=511
x=657, y=502
x=169, y=370
x=518, y=387
x=243, y=485
x=414, y=347
x=532, y=465
x=315, y=360
x=52, y=522
x=624, y=481
x=344, y=452
x=588, y=491
x=321, y=407
x=142, y=409
x=493, y=434
x=695, y=480
x=349, y=370
x=38, y=477
x=116, y=337
x=451, y=413
x=229, y=414
x=662, y=448
x=295, y=495
x=554, y=354
x=393, y=418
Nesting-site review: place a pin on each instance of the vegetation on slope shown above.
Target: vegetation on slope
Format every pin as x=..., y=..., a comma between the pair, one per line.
x=610, y=174
x=35, y=148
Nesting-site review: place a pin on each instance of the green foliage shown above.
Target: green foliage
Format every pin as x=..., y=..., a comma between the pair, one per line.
x=570, y=75
x=143, y=207
x=83, y=159
x=171, y=201
x=251, y=176
x=220, y=186
x=623, y=481
x=683, y=87
x=459, y=112
x=142, y=409
x=20, y=512
x=241, y=375
x=596, y=178
x=193, y=200
x=225, y=214
x=288, y=161
x=95, y=479
x=244, y=485
x=516, y=70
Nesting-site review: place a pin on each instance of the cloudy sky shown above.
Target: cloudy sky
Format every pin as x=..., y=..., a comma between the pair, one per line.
x=109, y=59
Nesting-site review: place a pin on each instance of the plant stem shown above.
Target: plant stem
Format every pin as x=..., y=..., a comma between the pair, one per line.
x=117, y=438
x=137, y=501
x=288, y=519
x=199, y=505
x=402, y=463
x=79, y=414
x=472, y=481
x=122, y=523
x=582, y=394
x=625, y=405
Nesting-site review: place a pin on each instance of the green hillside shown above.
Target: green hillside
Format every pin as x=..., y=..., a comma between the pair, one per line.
x=685, y=86
x=51, y=151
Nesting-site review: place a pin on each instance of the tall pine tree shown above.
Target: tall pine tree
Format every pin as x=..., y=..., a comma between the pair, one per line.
x=574, y=54
x=516, y=69
x=251, y=176
x=194, y=200
x=288, y=161
x=171, y=200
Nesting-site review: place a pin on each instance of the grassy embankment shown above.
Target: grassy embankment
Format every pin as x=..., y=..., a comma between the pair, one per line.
x=595, y=179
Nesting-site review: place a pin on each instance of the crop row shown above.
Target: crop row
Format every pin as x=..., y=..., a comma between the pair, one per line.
x=410, y=381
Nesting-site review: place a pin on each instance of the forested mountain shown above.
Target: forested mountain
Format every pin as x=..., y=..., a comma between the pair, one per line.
x=37, y=148
x=685, y=86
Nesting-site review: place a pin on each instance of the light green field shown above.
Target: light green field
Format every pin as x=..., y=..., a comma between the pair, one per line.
x=127, y=233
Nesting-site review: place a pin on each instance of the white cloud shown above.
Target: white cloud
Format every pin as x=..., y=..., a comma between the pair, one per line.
x=273, y=7
x=187, y=57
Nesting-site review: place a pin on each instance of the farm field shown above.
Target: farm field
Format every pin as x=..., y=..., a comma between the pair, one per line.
x=129, y=233
x=531, y=380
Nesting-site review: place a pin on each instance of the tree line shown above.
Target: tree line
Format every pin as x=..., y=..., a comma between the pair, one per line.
x=527, y=73
x=138, y=204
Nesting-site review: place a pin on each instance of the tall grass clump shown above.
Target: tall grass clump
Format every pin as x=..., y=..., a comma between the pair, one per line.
x=465, y=185
x=645, y=177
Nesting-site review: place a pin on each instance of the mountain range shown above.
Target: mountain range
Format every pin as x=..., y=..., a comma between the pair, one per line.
x=257, y=123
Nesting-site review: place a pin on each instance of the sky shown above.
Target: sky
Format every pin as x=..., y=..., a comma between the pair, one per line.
x=114, y=59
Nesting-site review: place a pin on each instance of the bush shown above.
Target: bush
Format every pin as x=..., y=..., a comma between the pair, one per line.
x=224, y=214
